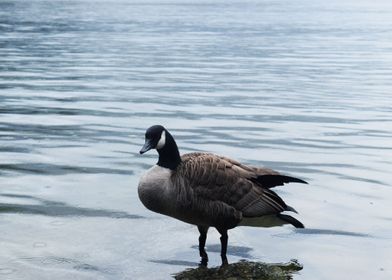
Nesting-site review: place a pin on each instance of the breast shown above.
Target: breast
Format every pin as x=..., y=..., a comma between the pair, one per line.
x=154, y=189
x=166, y=193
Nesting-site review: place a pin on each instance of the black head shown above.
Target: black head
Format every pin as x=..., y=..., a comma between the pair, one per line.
x=155, y=138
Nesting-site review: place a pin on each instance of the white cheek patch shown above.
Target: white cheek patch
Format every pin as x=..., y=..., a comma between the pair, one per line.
x=162, y=141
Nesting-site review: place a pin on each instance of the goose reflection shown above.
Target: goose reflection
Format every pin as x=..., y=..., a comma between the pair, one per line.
x=243, y=270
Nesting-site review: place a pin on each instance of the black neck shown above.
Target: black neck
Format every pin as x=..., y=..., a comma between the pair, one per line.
x=169, y=156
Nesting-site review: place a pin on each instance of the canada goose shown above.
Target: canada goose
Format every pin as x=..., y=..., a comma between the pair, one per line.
x=208, y=190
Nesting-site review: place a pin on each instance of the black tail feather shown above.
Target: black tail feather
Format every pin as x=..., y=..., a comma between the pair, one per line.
x=270, y=181
x=289, y=208
x=291, y=220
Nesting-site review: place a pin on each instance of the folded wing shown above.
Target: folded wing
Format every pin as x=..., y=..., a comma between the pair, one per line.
x=245, y=188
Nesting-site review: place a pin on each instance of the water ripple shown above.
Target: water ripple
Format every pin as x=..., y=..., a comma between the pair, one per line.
x=58, y=209
x=302, y=87
x=56, y=169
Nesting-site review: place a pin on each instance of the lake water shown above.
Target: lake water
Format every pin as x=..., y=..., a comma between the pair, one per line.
x=303, y=87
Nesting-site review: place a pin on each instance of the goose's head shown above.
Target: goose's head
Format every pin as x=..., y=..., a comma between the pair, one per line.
x=155, y=138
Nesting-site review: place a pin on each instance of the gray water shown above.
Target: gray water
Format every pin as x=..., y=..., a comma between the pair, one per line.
x=303, y=87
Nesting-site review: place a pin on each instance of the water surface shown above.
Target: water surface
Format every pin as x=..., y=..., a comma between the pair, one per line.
x=303, y=87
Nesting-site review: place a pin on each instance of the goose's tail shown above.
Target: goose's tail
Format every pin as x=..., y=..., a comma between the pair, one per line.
x=273, y=220
x=291, y=220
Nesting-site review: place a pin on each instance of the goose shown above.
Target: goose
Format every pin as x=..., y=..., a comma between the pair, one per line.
x=209, y=190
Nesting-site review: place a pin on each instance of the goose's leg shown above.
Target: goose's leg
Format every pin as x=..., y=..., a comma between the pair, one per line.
x=202, y=244
x=224, y=238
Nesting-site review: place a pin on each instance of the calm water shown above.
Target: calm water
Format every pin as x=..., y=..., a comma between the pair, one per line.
x=300, y=86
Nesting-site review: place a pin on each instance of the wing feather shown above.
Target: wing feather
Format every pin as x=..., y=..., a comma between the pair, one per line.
x=216, y=178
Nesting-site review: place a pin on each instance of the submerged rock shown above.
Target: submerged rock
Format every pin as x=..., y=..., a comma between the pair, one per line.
x=243, y=270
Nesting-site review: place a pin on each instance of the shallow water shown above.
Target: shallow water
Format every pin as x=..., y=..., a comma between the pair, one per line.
x=303, y=87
